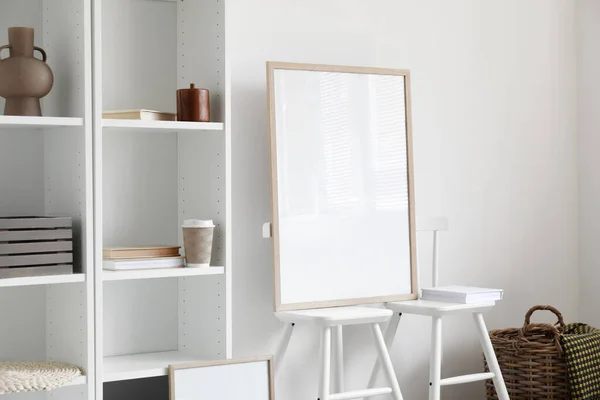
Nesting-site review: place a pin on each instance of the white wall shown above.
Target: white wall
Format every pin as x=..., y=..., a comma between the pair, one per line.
x=589, y=166
x=494, y=100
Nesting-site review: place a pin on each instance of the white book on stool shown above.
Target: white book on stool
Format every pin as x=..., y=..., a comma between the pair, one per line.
x=462, y=294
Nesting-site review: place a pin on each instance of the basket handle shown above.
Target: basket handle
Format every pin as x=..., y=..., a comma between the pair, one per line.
x=533, y=309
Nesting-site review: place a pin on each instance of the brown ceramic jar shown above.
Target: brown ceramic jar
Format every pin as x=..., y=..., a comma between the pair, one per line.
x=193, y=104
x=23, y=78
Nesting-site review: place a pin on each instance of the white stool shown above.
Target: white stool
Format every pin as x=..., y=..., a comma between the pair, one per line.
x=332, y=320
x=437, y=310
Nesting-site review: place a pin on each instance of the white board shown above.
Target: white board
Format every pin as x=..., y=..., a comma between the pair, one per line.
x=249, y=379
x=343, y=209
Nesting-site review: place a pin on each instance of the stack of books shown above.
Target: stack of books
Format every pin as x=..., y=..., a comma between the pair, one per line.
x=142, y=115
x=462, y=294
x=142, y=257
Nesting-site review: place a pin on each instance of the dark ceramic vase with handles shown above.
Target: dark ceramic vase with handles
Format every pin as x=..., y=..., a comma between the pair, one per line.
x=24, y=79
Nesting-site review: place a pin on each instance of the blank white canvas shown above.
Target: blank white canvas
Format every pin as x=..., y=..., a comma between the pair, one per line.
x=343, y=200
x=248, y=381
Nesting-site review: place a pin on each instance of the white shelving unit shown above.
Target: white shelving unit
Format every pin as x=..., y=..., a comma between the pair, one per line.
x=46, y=170
x=82, y=380
x=146, y=365
x=149, y=177
x=167, y=126
x=15, y=122
x=42, y=280
x=123, y=183
x=161, y=273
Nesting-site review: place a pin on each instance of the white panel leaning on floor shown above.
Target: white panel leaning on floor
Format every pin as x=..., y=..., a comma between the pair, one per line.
x=437, y=310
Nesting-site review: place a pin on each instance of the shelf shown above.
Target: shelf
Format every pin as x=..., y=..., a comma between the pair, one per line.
x=145, y=365
x=9, y=121
x=166, y=126
x=160, y=273
x=81, y=380
x=41, y=280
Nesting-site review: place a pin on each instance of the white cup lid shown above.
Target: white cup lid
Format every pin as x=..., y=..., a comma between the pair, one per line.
x=198, y=223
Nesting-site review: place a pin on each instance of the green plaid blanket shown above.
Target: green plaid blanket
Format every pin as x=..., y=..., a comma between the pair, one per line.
x=581, y=344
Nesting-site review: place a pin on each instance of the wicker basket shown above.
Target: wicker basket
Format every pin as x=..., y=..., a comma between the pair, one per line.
x=531, y=359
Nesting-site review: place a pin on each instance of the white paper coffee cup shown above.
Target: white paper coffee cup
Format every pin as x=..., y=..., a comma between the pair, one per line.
x=197, y=242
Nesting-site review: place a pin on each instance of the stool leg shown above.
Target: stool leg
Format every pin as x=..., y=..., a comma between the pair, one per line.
x=339, y=360
x=282, y=346
x=325, y=361
x=435, y=362
x=390, y=334
x=386, y=362
x=490, y=357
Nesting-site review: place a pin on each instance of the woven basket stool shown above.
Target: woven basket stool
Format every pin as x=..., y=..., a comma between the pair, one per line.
x=35, y=376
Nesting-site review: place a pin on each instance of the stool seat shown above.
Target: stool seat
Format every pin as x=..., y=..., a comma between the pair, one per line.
x=336, y=316
x=437, y=308
x=330, y=322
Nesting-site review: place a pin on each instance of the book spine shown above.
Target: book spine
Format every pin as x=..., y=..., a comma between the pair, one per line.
x=446, y=299
x=444, y=295
x=129, y=254
x=155, y=264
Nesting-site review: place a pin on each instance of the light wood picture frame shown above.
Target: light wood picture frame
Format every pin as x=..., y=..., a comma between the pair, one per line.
x=280, y=305
x=227, y=374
